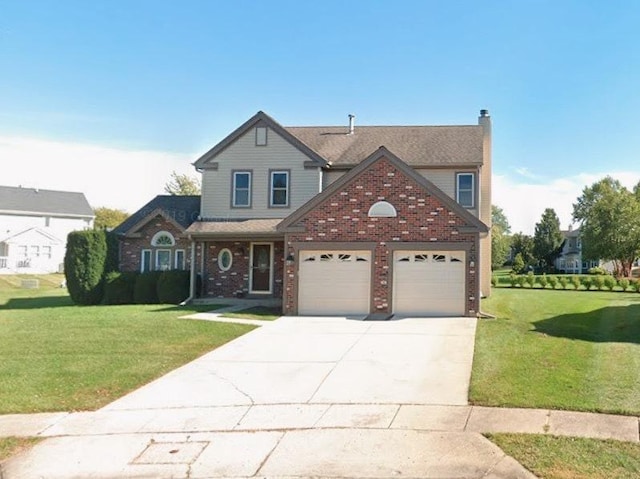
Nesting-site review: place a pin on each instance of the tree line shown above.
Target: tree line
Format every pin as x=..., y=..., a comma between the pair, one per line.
x=608, y=215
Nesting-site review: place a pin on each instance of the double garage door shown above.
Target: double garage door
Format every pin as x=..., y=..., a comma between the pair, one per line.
x=424, y=283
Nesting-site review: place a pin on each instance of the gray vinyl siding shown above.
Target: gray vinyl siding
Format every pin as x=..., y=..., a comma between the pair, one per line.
x=244, y=155
x=446, y=180
x=330, y=176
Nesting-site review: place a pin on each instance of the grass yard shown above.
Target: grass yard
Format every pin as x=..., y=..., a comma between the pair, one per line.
x=258, y=312
x=55, y=356
x=555, y=457
x=559, y=349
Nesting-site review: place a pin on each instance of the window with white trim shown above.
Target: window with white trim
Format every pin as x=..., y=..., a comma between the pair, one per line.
x=163, y=238
x=241, y=189
x=465, y=189
x=145, y=260
x=163, y=259
x=225, y=259
x=279, y=195
x=179, y=259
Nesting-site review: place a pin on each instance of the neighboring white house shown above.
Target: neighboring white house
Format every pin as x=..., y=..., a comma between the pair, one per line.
x=34, y=225
x=570, y=260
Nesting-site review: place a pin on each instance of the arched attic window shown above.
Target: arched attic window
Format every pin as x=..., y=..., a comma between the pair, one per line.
x=163, y=238
x=382, y=209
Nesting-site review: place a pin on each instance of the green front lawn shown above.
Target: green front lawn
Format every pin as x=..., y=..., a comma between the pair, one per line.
x=55, y=356
x=559, y=349
x=258, y=312
x=555, y=457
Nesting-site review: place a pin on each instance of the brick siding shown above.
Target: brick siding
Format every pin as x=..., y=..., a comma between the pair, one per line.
x=421, y=217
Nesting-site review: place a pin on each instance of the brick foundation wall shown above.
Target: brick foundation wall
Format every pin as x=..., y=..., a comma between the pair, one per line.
x=421, y=218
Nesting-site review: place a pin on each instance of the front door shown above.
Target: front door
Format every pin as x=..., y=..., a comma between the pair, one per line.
x=261, y=267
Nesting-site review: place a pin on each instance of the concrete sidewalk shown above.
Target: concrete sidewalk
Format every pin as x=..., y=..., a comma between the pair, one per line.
x=302, y=397
x=288, y=417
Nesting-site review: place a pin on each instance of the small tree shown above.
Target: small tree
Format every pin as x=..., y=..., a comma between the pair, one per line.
x=547, y=239
x=564, y=282
x=553, y=281
x=531, y=279
x=587, y=283
x=518, y=264
x=543, y=280
x=107, y=218
x=575, y=281
x=84, y=263
x=182, y=185
x=624, y=284
x=522, y=280
x=610, y=282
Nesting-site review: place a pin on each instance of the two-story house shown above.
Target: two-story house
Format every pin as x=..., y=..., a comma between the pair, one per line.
x=34, y=225
x=570, y=260
x=338, y=220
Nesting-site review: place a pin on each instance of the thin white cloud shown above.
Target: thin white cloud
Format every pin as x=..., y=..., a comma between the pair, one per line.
x=111, y=177
x=524, y=171
x=524, y=202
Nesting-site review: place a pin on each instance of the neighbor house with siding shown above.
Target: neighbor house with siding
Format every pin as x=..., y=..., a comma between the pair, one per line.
x=34, y=225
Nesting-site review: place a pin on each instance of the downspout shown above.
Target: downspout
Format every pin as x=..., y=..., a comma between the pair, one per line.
x=192, y=274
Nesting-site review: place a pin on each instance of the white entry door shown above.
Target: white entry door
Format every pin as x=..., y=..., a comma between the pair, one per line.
x=334, y=282
x=429, y=283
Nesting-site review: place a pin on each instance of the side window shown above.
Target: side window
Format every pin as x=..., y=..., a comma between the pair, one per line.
x=241, y=194
x=465, y=189
x=145, y=261
x=179, y=264
x=279, y=191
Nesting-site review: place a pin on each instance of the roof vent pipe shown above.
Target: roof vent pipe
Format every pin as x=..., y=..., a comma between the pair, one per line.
x=484, y=112
x=351, y=123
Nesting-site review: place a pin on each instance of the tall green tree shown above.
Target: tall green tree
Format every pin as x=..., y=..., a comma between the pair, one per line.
x=547, y=239
x=609, y=216
x=523, y=244
x=182, y=185
x=500, y=241
x=107, y=218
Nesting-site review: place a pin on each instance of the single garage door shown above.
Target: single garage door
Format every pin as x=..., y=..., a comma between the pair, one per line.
x=429, y=283
x=334, y=282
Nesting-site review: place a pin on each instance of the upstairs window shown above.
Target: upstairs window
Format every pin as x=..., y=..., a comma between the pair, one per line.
x=241, y=189
x=261, y=136
x=279, y=196
x=465, y=189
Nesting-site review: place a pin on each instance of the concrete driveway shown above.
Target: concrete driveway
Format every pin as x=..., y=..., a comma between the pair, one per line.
x=300, y=397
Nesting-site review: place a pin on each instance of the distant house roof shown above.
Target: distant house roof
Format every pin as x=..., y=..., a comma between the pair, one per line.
x=416, y=145
x=183, y=210
x=43, y=202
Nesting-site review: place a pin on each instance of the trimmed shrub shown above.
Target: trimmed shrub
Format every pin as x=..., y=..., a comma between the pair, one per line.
x=564, y=282
x=518, y=264
x=598, y=282
x=624, y=284
x=531, y=279
x=575, y=281
x=111, y=259
x=522, y=280
x=586, y=282
x=635, y=285
x=597, y=270
x=84, y=262
x=118, y=287
x=553, y=281
x=173, y=286
x=145, y=290
x=609, y=282
x=494, y=281
x=543, y=280
x=513, y=279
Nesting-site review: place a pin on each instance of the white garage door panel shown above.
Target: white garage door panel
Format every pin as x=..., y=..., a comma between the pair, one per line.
x=429, y=283
x=334, y=282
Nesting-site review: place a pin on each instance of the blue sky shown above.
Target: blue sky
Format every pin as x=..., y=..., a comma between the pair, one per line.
x=114, y=95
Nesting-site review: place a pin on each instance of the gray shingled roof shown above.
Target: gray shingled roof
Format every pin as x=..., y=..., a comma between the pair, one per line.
x=184, y=210
x=48, y=202
x=416, y=145
x=232, y=227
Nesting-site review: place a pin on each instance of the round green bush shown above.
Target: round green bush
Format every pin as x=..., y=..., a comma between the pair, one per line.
x=623, y=283
x=84, y=262
x=610, y=282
